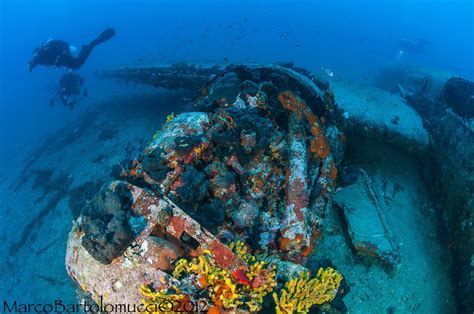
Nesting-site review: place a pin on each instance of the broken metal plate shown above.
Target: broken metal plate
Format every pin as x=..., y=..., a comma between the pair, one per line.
x=368, y=231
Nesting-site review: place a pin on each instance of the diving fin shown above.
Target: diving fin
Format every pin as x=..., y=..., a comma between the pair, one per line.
x=104, y=36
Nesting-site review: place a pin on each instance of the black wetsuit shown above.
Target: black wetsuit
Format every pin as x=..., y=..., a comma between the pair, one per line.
x=69, y=91
x=57, y=53
x=71, y=83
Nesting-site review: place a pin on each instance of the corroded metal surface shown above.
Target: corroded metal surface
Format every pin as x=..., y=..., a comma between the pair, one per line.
x=119, y=281
x=178, y=76
x=296, y=234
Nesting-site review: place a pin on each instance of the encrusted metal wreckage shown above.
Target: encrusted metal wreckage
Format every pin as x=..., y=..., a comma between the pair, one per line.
x=226, y=203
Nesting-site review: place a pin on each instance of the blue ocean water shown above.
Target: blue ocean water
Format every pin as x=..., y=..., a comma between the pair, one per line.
x=354, y=38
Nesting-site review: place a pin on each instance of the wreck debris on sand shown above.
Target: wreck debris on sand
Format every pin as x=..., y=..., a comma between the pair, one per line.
x=250, y=161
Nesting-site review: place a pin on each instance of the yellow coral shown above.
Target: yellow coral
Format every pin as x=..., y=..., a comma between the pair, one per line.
x=276, y=151
x=225, y=291
x=240, y=249
x=170, y=117
x=299, y=294
x=200, y=149
x=219, y=283
x=157, y=302
x=261, y=275
x=228, y=291
x=263, y=281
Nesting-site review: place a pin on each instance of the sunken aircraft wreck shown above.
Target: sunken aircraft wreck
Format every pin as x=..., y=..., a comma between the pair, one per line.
x=229, y=200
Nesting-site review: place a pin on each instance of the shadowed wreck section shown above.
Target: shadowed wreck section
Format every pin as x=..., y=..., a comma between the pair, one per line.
x=446, y=104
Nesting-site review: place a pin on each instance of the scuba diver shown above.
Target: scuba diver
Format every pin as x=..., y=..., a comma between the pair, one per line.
x=69, y=91
x=59, y=53
x=410, y=46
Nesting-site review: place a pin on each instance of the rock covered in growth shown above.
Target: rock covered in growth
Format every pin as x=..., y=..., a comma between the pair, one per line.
x=105, y=222
x=161, y=253
x=81, y=194
x=226, y=88
x=185, y=125
x=256, y=154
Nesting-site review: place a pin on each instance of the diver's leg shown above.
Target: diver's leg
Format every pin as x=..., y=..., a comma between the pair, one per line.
x=76, y=63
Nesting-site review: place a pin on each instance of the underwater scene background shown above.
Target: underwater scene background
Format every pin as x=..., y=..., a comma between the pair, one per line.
x=351, y=37
x=350, y=98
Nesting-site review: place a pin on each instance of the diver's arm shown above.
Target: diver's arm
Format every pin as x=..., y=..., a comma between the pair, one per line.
x=31, y=65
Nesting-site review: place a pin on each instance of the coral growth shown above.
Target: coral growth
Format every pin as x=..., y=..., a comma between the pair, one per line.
x=242, y=251
x=250, y=161
x=318, y=145
x=106, y=223
x=217, y=281
x=244, y=288
x=301, y=293
x=170, y=117
x=161, y=301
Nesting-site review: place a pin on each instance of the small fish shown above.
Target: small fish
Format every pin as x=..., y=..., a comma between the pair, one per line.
x=327, y=71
